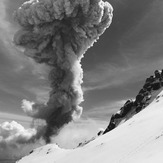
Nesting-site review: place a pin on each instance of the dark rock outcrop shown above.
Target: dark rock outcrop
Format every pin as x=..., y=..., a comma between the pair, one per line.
x=131, y=107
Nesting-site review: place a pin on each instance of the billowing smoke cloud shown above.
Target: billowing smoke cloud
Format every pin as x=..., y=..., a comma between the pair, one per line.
x=13, y=140
x=77, y=132
x=57, y=33
x=14, y=132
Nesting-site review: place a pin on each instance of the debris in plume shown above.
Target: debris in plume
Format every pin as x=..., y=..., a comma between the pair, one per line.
x=57, y=33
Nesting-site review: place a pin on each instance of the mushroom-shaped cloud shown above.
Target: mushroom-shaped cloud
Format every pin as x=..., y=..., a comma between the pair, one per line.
x=58, y=33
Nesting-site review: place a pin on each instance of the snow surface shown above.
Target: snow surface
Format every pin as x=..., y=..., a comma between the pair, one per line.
x=138, y=140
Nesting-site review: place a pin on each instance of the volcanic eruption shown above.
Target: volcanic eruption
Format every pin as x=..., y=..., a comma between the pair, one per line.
x=57, y=33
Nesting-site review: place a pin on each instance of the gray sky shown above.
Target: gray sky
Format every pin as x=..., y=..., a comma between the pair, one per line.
x=114, y=68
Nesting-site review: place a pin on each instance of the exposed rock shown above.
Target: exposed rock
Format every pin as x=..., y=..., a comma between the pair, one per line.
x=100, y=132
x=131, y=107
x=157, y=74
x=156, y=86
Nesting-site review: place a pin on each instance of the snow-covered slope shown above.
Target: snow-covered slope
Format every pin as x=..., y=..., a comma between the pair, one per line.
x=138, y=140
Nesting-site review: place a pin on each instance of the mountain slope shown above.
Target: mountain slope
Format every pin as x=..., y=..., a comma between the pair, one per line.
x=150, y=89
x=138, y=140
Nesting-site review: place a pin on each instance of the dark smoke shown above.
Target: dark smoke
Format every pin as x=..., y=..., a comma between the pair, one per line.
x=58, y=33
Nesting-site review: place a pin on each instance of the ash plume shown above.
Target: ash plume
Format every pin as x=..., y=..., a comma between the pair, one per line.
x=57, y=33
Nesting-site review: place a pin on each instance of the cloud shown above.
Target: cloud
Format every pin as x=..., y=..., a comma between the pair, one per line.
x=133, y=48
x=15, y=117
x=104, y=110
x=27, y=106
x=16, y=70
x=108, y=76
x=77, y=132
x=13, y=133
x=13, y=140
x=58, y=33
x=8, y=28
x=41, y=91
x=103, y=76
x=4, y=25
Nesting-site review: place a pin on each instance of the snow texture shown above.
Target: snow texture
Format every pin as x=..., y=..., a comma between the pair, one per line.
x=138, y=140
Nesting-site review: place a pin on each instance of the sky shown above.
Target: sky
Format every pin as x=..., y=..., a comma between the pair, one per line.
x=115, y=68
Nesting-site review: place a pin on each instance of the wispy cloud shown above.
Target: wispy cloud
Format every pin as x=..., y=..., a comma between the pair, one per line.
x=138, y=53
x=4, y=25
x=41, y=92
x=20, y=76
x=105, y=110
x=104, y=76
x=24, y=120
x=109, y=76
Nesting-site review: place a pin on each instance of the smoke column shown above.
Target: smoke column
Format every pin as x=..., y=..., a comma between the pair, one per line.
x=58, y=33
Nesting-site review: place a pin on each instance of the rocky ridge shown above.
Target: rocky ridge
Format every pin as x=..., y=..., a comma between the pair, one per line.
x=152, y=85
